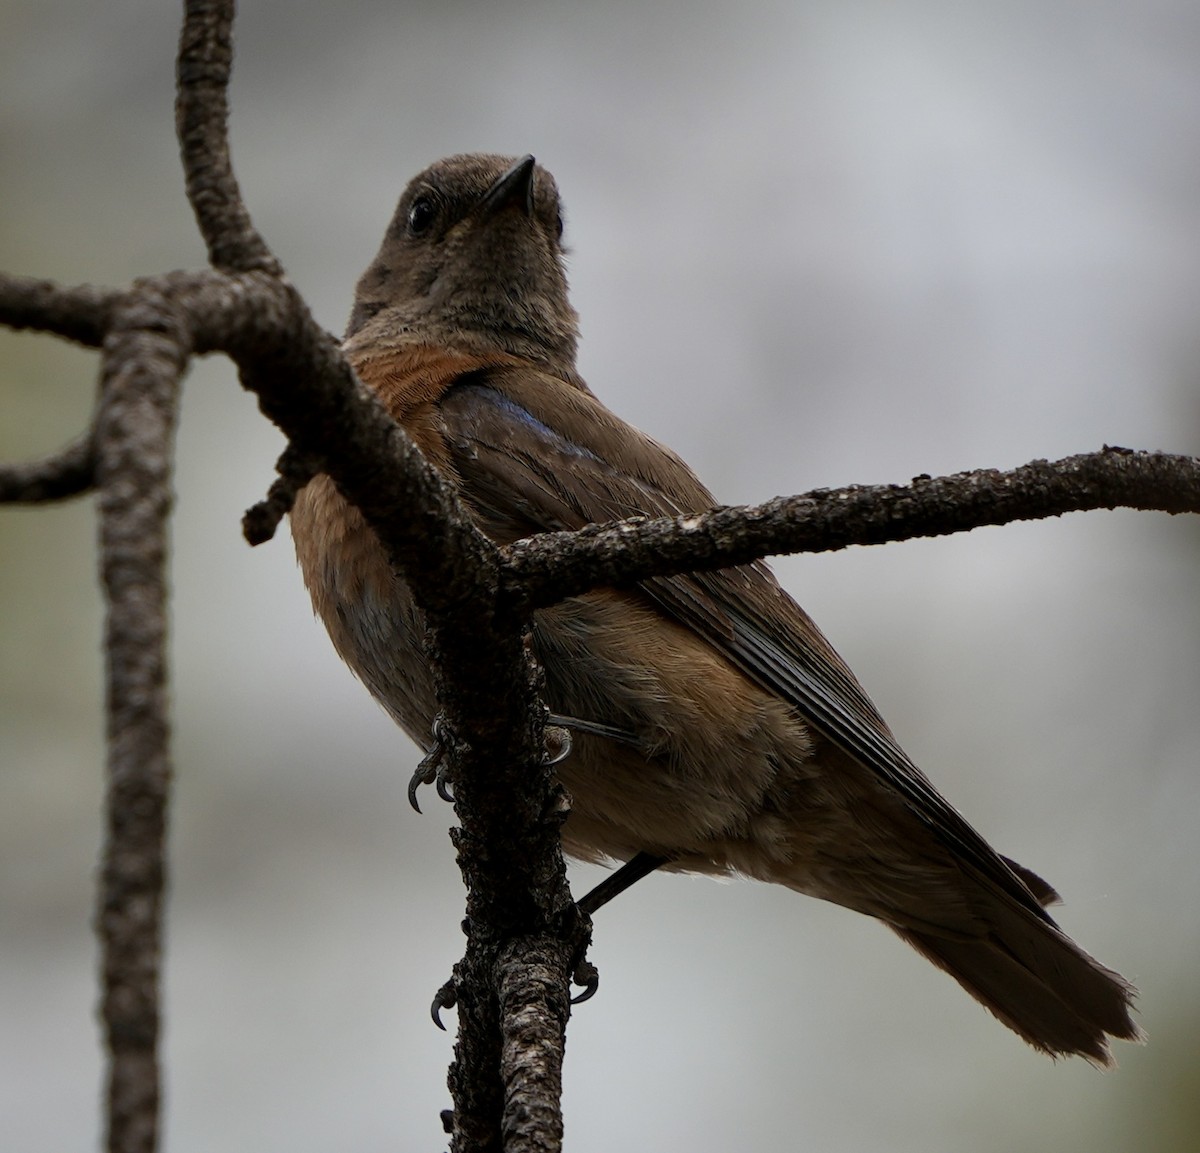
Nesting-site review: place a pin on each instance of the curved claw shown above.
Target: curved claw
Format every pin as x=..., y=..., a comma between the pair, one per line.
x=443, y=786
x=587, y=975
x=557, y=735
x=432, y=766
x=421, y=777
x=445, y=998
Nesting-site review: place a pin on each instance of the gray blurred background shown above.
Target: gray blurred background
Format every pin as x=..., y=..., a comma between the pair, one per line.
x=814, y=244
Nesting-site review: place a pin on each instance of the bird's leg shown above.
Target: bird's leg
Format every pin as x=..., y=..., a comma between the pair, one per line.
x=559, y=729
x=433, y=766
x=633, y=870
x=596, y=728
x=638, y=866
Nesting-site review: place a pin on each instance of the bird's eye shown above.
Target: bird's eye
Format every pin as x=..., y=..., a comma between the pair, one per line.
x=421, y=215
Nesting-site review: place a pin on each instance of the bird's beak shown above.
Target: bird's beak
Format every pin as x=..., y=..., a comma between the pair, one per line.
x=514, y=187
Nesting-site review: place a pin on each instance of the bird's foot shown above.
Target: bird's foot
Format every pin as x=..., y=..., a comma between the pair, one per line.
x=433, y=767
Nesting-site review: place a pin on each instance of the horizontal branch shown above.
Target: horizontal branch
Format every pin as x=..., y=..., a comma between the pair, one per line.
x=306, y=387
x=82, y=313
x=334, y=423
x=67, y=473
x=546, y=568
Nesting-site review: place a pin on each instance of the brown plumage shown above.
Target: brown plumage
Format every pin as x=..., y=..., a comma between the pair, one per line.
x=746, y=743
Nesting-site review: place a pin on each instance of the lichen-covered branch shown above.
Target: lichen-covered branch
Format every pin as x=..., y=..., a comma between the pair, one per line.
x=532, y=985
x=67, y=473
x=81, y=314
x=144, y=356
x=546, y=568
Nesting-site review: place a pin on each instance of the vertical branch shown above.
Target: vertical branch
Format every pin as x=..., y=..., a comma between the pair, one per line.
x=533, y=982
x=144, y=357
x=473, y=1077
x=201, y=121
x=523, y=937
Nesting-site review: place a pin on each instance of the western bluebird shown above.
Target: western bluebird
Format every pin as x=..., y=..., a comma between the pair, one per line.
x=716, y=730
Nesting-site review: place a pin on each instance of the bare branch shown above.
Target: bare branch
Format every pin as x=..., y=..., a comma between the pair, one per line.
x=144, y=356
x=81, y=314
x=473, y=1078
x=307, y=388
x=522, y=1032
x=67, y=473
x=305, y=385
x=534, y=1006
x=551, y=566
x=201, y=122
x=294, y=472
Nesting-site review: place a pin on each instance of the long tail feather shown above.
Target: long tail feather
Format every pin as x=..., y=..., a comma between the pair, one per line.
x=1036, y=980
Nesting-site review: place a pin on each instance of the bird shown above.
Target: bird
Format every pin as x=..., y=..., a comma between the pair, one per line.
x=713, y=727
